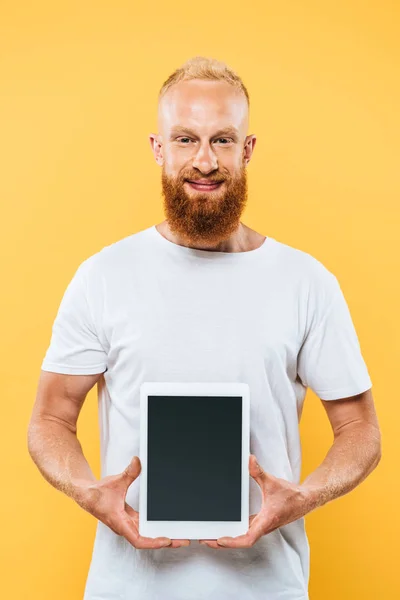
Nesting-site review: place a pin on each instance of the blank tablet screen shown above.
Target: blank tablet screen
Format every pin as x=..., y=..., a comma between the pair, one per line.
x=194, y=453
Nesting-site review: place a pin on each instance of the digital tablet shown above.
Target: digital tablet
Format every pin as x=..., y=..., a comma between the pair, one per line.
x=194, y=453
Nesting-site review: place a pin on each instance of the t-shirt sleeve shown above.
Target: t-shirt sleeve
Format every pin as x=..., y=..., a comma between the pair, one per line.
x=75, y=347
x=330, y=361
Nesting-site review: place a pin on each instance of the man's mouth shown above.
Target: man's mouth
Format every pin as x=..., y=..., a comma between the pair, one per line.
x=204, y=187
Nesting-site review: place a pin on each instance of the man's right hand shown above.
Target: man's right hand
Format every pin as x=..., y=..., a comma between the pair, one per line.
x=105, y=500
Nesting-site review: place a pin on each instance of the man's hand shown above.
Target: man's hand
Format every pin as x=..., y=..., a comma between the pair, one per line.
x=105, y=500
x=282, y=503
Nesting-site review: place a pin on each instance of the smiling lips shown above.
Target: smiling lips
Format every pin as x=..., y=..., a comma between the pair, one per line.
x=204, y=185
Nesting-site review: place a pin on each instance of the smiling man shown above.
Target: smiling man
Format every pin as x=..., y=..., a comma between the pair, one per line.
x=204, y=150
x=203, y=297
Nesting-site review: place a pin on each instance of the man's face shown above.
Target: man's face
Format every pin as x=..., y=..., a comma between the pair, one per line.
x=202, y=136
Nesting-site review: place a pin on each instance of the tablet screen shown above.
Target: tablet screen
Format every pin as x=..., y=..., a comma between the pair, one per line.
x=194, y=455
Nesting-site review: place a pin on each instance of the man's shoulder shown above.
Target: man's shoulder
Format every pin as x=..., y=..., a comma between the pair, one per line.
x=116, y=255
x=295, y=261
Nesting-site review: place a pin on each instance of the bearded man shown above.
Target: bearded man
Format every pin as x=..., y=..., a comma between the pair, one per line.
x=203, y=297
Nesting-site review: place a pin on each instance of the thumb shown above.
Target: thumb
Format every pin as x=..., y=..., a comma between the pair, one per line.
x=131, y=472
x=256, y=471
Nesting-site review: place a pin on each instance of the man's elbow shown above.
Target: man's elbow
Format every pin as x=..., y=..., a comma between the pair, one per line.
x=376, y=442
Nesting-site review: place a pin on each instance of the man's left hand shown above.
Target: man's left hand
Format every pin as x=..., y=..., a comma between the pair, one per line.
x=282, y=503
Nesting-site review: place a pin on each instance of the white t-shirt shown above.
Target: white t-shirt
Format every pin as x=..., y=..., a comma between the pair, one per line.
x=147, y=309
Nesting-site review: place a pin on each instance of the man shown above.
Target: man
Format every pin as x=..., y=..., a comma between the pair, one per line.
x=202, y=297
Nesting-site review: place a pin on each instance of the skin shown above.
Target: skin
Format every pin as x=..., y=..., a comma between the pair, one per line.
x=202, y=127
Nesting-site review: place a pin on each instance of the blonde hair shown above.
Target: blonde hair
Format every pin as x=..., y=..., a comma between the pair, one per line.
x=201, y=67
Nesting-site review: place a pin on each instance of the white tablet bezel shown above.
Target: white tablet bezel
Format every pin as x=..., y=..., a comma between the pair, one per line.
x=194, y=530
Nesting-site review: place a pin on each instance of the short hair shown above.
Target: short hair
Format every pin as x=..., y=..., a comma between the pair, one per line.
x=201, y=67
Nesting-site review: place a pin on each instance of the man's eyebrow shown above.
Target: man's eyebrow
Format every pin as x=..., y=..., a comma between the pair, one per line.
x=179, y=129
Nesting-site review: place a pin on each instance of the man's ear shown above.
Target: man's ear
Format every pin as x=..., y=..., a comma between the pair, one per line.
x=249, y=144
x=156, y=146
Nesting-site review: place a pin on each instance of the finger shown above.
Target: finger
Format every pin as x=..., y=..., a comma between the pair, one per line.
x=130, y=533
x=179, y=543
x=256, y=471
x=211, y=544
x=147, y=543
x=131, y=472
x=241, y=541
x=262, y=478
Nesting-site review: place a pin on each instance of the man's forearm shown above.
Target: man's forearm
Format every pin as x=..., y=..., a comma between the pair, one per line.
x=58, y=454
x=353, y=455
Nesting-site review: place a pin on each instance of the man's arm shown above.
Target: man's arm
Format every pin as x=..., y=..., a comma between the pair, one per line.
x=354, y=454
x=52, y=432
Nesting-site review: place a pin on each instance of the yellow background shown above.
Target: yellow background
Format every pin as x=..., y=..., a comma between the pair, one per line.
x=78, y=87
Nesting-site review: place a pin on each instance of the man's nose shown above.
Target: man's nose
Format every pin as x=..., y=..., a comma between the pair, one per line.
x=205, y=160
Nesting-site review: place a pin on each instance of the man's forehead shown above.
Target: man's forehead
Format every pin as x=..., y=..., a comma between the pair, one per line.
x=199, y=107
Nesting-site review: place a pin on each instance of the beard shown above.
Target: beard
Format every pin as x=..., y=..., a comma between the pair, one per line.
x=207, y=217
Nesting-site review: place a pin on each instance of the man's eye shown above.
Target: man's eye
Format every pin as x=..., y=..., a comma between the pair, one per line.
x=182, y=139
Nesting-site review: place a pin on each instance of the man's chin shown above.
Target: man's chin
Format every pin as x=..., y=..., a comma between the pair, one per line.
x=203, y=228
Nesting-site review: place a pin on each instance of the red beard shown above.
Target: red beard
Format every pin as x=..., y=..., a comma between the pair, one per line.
x=208, y=217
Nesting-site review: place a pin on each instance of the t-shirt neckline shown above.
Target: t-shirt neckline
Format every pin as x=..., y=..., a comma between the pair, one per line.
x=209, y=254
